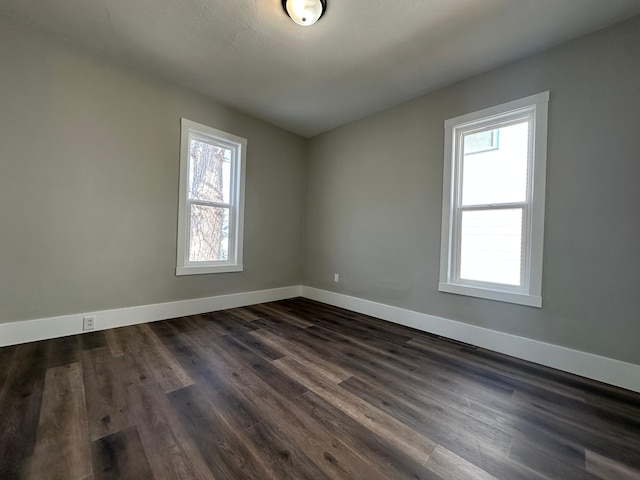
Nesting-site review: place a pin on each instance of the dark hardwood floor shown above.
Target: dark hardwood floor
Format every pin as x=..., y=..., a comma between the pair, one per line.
x=301, y=390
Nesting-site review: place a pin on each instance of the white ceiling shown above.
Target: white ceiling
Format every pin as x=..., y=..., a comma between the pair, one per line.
x=361, y=57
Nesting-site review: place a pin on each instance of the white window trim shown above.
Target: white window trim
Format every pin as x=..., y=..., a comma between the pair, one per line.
x=530, y=294
x=236, y=226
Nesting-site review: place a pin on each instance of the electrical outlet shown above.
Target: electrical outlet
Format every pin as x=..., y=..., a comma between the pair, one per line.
x=88, y=323
x=336, y=277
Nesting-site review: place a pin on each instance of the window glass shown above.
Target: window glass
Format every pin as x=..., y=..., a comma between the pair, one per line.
x=209, y=234
x=498, y=175
x=209, y=171
x=491, y=246
x=481, y=141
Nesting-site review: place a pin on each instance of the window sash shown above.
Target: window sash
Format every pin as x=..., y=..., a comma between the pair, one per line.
x=456, y=266
x=231, y=253
x=501, y=121
x=231, y=235
x=218, y=143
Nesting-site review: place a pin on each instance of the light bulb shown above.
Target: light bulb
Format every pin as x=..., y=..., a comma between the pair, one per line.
x=304, y=12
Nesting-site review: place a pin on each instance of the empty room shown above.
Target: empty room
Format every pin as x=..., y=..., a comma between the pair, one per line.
x=320, y=239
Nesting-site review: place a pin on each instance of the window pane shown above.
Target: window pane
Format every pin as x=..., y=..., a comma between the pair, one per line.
x=491, y=246
x=498, y=173
x=480, y=142
x=209, y=172
x=209, y=234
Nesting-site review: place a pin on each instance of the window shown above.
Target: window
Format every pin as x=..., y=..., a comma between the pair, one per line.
x=493, y=202
x=211, y=210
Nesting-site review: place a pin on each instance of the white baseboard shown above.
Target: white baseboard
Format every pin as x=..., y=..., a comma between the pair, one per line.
x=603, y=369
x=14, y=333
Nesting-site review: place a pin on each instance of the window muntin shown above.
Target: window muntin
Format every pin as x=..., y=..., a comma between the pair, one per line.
x=493, y=204
x=211, y=200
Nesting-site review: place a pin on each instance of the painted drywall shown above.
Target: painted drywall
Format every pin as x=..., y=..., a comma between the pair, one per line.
x=374, y=199
x=89, y=162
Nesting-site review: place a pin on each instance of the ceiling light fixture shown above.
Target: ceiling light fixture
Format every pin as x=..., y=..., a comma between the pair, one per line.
x=305, y=12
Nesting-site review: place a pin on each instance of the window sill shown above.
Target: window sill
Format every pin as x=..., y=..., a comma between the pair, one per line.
x=497, y=295
x=203, y=270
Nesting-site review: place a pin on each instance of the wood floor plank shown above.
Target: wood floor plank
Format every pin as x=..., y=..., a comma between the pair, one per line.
x=611, y=427
x=107, y=409
x=390, y=373
x=609, y=469
x=548, y=378
x=489, y=408
x=63, y=351
x=134, y=369
x=170, y=332
x=283, y=458
x=310, y=339
x=244, y=313
x=209, y=379
x=247, y=349
x=297, y=389
x=329, y=453
x=201, y=326
x=486, y=446
x=445, y=426
x=560, y=435
x=276, y=445
x=20, y=402
x=543, y=394
x=335, y=333
x=91, y=340
x=360, y=327
x=256, y=346
x=228, y=324
x=569, y=467
x=338, y=344
x=272, y=310
x=122, y=340
x=259, y=363
x=374, y=419
x=452, y=467
x=321, y=312
x=390, y=459
x=171, y=451
x=166, y=370
x=121, y=456
x=7, y=354
x=224, y=451
x=62, y=448
x=302, y=355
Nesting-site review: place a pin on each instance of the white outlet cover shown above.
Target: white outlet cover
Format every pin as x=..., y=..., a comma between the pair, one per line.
x=88, y=323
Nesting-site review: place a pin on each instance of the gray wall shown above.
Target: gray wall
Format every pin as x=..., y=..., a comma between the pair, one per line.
x=89, y=192
x=89, y=155
x=375, y=197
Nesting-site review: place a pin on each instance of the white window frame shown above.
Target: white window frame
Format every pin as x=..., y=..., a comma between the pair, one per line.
x=530, y=292
x=238, y=145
